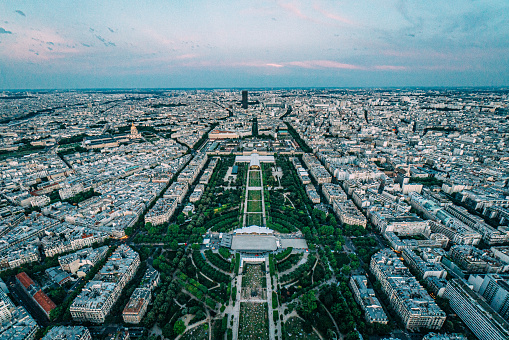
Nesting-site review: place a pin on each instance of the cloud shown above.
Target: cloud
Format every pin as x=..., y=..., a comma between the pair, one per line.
x=324, y=64
x=275, y=65
x=333, y=16
x=104, y=41
x=390, y=68
x=3, y=31
x=294, y=9
x=20, y=13
x=186, y=56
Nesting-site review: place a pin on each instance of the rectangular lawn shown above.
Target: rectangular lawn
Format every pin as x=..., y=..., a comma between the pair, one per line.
x=254, y=179
x=254, y=195
x=254, y=219
x=254, y=206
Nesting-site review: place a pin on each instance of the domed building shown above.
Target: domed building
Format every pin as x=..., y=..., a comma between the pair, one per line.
x=134, y=133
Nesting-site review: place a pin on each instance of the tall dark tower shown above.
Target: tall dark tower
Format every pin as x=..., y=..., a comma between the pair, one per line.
x=244, y=99
x=255, y=127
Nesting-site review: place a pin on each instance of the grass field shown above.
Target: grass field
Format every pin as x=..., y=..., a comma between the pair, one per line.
x=254, y=179
x=254, y=195
x=294, y=329
x=254, y=219
x=254, y=206
x=254, y=322
x=198, y=333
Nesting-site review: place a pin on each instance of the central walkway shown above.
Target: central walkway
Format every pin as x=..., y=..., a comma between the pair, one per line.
x=257, y=289
x=254, y=202
x=255, y=294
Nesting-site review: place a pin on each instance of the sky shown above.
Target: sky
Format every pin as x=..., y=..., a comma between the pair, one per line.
x=257, y=43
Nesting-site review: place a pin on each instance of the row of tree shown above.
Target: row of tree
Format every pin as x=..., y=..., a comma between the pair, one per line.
x=218, y=261
x=207, y=270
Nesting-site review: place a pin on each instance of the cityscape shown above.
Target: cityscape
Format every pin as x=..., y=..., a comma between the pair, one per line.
x=255, y=214
x=254, y=170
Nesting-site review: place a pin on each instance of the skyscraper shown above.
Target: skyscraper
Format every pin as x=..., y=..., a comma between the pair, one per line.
x=244, y=99
x=255, y=127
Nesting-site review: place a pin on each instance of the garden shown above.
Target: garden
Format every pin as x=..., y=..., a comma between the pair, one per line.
x=294, y=328
x=254, y=219
x=254, y=323
x=254, y=206
x=255, y=179
x=254, y=195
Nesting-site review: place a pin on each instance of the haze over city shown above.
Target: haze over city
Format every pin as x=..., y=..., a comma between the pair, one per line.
x=97, y=44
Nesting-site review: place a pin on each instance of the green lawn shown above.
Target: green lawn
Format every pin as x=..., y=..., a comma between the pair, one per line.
x=254, y=218
x=294, y=329
x=254, y=322
x=254, y=179
x=254, y=206
x=254, y=195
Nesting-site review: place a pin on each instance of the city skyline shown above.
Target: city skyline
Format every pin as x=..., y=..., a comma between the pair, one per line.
x=241, y=44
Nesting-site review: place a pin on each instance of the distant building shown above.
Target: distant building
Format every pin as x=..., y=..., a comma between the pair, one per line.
x=312, y=194
x=406, y=295
x=244, y=99
x=373, y=311
x=15, y=322
x=35, y=293
x=94, y=302
x=436, y=336
x=495, y=289
x=88, y=256
x=120, y=334
x=134, y=132
x=223, y=134
x=137, y=306
x=162, y=211
x=68, y=333
x=482, y=320
x=99, y=142
x=255, y=127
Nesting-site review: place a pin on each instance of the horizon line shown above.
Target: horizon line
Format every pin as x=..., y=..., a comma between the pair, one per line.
x=252, y=88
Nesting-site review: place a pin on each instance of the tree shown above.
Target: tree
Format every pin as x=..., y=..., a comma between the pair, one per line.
x=179, y=327
x=174, y=244
x=346, y=269
x=326, y=230
x=308, y=303
x=150, y=319
x=181, y=218
x=167, y=330
x=353, y=335
x=148, y=225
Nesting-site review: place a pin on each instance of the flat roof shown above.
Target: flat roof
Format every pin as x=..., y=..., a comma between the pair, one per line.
x=253, y=243
x=267, y=159
x=253, y=229
x=296, y=243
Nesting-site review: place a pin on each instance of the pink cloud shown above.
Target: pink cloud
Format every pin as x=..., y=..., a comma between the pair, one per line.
x=186, y=56
x=294, y=9
x=333, y=16
x=275, y=65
